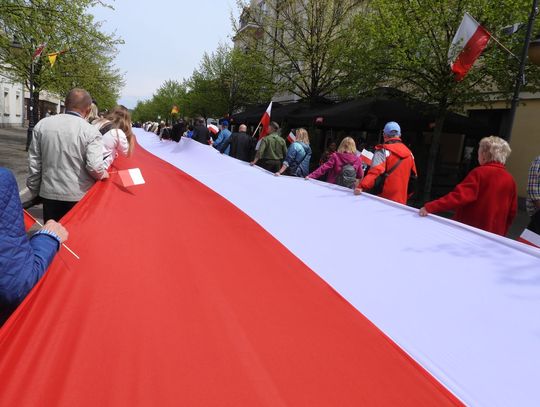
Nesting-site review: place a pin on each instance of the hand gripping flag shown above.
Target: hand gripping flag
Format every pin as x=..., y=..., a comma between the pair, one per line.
x=265, y=121
x=468, y=43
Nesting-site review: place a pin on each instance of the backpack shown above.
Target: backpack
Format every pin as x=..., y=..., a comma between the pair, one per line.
x=347, y=176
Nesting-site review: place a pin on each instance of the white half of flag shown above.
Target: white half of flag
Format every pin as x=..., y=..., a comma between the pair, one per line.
x=131, y=177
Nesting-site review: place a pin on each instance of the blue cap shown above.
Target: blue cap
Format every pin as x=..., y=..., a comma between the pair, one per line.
x=392, y=129
x=224, y=123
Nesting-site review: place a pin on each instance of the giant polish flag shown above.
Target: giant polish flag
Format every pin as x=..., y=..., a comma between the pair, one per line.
x=468, y=43
x=198, y=288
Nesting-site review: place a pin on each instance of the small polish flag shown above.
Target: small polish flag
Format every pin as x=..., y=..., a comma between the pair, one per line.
x=366, y=156
x=29, y=220
x=530, y=238
x=291, y=137
x=38, y=51
x=468, y=43
x=213, y=128
x=265, y=121
x=131, y=177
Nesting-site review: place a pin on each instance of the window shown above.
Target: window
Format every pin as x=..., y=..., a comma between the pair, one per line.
x=18, y=104
x=6, y=102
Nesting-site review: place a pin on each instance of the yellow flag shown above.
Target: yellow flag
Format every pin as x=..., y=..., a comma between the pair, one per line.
x=52, y=58
x=175, y=110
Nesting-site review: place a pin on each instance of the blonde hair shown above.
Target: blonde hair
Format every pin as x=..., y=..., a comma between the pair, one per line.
x=302, y=135
x=347, y=145
x=94, y=113
x=494, y=148
x=121, y=119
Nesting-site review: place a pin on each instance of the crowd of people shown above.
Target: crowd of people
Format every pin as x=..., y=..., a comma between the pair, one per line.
x=71, y=151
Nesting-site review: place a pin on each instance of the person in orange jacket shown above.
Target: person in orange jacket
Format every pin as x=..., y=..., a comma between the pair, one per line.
x=396, y=160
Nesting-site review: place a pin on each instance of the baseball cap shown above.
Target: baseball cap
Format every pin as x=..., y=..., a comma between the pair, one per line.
x=392, y=129
x=224, y=123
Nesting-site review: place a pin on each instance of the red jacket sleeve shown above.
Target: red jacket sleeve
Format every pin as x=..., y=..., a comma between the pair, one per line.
x=464, y=193
x=369, y=180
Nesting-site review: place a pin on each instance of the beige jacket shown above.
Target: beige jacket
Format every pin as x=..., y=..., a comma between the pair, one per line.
x=65, y=158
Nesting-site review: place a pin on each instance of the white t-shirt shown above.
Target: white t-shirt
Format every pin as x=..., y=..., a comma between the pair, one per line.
x=115, y=142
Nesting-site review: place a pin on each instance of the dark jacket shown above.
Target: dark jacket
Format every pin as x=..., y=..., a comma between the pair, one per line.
x=241, y=146
x=177, y=131
x=22, y=261
x=201, y=134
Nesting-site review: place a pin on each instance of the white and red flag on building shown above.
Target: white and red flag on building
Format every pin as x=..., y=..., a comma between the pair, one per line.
x=131, y=177
x=468, y=43
x=265, y=121
x=38, y=51
x=291, y=137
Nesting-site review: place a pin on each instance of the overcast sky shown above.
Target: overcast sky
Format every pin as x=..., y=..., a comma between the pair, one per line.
x=164, y=39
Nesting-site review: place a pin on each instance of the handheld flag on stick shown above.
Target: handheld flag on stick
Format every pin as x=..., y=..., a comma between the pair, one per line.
x=175, y=110
x=468, y=43
x=38, y=51
x=291, y=137
x=366, y=156
x=531, y=235
x=30, y=221
x=265, y=121
x=213, y=129
x=131, y=177
x=52, y=58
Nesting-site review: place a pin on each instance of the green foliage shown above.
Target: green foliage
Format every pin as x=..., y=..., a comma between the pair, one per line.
x=170, y=93
x=303, y=39
x=63, y=26
x=227, y=80
x=405, y=44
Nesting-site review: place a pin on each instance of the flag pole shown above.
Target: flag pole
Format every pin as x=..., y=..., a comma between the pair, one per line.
x=67, y=248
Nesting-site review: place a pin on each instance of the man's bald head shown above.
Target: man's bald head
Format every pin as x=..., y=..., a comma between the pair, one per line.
x=242, y=128
x=78, y=100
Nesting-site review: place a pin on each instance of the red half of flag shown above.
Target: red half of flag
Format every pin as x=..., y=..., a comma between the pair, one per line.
x=468, y=43
x=265, y=121
x=131, y=177
x=291, y=137
x=29, y=220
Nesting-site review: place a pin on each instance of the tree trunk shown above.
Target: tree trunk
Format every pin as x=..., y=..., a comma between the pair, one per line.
x=433, y=152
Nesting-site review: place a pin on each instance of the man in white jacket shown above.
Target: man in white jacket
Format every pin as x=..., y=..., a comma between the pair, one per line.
x=65, y=157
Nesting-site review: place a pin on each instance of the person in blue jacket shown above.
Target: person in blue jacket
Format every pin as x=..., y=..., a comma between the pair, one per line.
x=23, y=261
x=223, y=137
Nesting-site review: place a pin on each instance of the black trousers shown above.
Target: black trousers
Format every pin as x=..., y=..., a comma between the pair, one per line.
x=55, y=210
x=534, y=225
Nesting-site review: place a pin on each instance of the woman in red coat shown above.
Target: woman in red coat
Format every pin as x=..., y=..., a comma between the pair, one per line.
x=487, y=197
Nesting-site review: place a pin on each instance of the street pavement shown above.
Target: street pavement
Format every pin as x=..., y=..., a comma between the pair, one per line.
x=13, y=156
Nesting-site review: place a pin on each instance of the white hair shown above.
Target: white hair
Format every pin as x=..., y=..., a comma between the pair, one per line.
x=494, y=149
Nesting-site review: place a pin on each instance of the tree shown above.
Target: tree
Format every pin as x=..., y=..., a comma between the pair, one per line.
x=405, y=44
x=63, y=26
x=228, y=80
x=170, y=93
x=303, y=39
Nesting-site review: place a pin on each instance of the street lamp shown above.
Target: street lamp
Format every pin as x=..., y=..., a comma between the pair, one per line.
x=520, y=79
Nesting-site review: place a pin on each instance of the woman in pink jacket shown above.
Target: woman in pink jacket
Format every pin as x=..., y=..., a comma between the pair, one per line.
x=344, y=157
